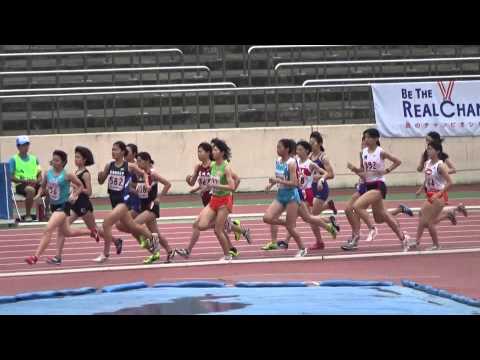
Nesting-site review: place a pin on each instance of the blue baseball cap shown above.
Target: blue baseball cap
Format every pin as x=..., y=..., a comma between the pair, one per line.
x=22, y=140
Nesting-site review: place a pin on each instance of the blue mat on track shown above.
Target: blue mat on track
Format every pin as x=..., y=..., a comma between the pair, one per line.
x=315, y=300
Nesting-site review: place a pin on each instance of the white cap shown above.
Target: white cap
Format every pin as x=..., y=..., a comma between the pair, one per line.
x=22, y=140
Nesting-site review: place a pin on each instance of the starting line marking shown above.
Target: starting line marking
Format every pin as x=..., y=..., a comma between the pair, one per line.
x=245, y=261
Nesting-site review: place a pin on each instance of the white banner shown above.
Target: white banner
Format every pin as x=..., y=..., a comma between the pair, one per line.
x=451, y=108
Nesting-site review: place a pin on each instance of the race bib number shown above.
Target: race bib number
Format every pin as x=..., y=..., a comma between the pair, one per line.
x=53, y=191
x=116, y=182
x=142, y=191
x=214, y=180
x=203, y=180
x=371, y=166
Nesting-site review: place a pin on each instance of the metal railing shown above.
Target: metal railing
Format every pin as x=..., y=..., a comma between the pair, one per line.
x=56, y=108
x=317, y=64
x=374, y=80
x=269, y=48
x=404, y=61
x=114, y=71
x=84, y=54
x=208, y=91
x=236, y=92
x=119, y=87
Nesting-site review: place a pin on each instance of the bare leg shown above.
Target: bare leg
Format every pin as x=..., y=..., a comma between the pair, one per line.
x=430, y=212
x=55, y=222
x=29, y=195
x=352, y=216
x=222, y=215
x=291, y=223
x=381, y=215
x=61, y=236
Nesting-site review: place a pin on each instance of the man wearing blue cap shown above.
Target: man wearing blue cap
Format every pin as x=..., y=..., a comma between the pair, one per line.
x=26, y=173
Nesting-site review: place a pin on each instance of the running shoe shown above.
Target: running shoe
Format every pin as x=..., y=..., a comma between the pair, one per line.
x=282, y=245
x=101, y=259
x=409, y=243
x=31, y=260
x=352, y=243
x=237, y=234
x=234, y=252
x=372, y=234
x=170, y=256
x=246, y=235
x=301, y=253
x=270, y=246
x=154, y=244
x=331, y=206
x=462, y=209
x=152, y=258
x=226, y=258
x=317, y=246
x=95, y=235
x=118, y=245
x=452, y=217
x=332, y=230
x=406, y=210
x=333, y=221
x=54, y=260
x=228, y=225
x=433, y=248
x=183, y=253
x=144, y=243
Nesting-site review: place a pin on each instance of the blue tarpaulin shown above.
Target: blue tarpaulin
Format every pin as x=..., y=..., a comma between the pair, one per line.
x=322, y=300
x=5, y=192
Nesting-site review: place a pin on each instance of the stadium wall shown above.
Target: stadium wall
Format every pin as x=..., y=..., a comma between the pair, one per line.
x=254, y=151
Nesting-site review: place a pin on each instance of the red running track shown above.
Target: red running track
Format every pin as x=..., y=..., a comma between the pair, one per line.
x=454, y=272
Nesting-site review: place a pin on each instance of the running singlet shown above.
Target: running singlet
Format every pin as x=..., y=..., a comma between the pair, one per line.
x=320, y=164
x=58, y=187
x=305, y=179
x=118, y=181
x=373, y=163
x=282, y=172
x=433, y=179
x=217, y=174
x=144, y=194
x=203, y=180
x=82, y=196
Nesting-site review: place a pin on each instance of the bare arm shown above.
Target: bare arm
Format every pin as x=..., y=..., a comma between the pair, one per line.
x=87, y=190
x=103, y=175
x=43, y=188
x=396, y=162
x=443, y=170
x=77, y=184
x=421, y=164
x=236, y=179
x=329, y=169
x=319, y=173
x=166, y=184
x=192, y=179
x=451, y=167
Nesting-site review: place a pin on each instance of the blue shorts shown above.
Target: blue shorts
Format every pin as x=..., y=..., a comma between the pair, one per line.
x=322, y=195
x=285, y=196
x=134, y=203
x=361, y=188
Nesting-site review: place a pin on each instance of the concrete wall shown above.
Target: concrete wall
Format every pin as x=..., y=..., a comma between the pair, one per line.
x=254, y=151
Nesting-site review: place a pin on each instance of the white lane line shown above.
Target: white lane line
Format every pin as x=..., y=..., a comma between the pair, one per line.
x=170, y=219
x=246, y=261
